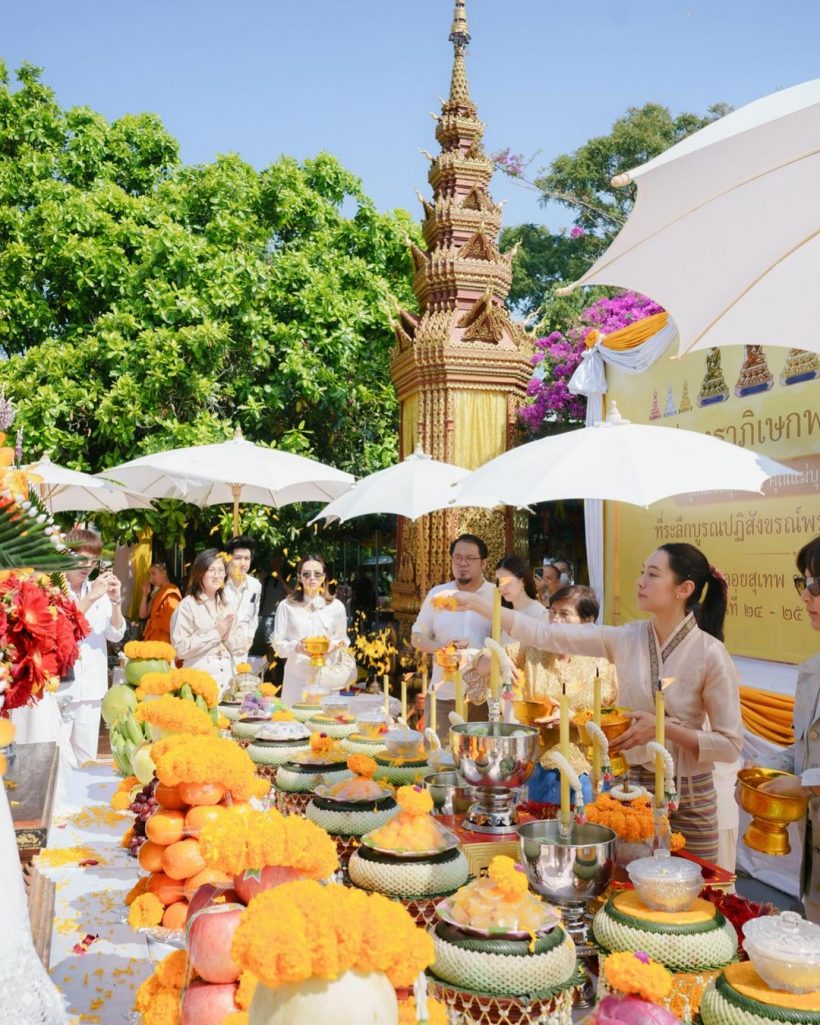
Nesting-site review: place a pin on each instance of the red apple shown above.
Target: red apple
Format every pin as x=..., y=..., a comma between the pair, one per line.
x=249, y=883
x=209, y=937
x=206, y=895
x=206, y=1004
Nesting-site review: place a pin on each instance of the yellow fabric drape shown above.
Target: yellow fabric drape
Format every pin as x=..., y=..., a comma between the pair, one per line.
x=140, y=564
x=480, y=427
x=409, y=425
x=632, y=336
x=768, y=715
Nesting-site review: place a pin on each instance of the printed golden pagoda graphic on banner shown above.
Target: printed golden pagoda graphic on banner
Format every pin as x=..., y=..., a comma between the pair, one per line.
x=800, y=366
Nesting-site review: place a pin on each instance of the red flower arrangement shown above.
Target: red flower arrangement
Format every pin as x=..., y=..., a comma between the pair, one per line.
x=40, y=631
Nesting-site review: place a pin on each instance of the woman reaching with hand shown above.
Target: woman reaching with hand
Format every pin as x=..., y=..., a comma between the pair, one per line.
x=686, y=600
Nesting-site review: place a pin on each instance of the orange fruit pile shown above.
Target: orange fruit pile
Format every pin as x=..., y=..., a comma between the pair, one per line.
x=171, y=853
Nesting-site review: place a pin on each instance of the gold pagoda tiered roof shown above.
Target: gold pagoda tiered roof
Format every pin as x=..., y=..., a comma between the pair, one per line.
x=461, y=280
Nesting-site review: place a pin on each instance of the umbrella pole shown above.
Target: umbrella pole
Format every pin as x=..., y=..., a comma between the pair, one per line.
x=236, y=490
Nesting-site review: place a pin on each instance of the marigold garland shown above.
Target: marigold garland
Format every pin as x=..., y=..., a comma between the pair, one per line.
x=303, y=930
x=508, y=877
x=137, y=890
x=150, y=650
x=243, y=667
x=199, y=681
x=637, y=974
x=121, y=798
x=321, y=743
x=362, y=765
x=158, y=998
x=244, y=993
x=183, y=758
x=146, y=910
x=240, y=840
x=175, y=715
x=237, y=1018
x=415, y=800
x=283, y=715
x=632, y=822
x=155, y=684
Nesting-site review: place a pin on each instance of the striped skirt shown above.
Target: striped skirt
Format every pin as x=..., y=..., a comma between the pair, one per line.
x=696, y=816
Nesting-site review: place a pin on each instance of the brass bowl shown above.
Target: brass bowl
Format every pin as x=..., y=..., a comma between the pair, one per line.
x=526, y=712
x=317, y=648
x=614, y=722
x=771, y=813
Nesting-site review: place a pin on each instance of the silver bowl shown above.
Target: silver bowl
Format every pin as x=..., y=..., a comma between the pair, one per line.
x=451, y=795
x=567, y=873
x=496, y=759
x=496, y=755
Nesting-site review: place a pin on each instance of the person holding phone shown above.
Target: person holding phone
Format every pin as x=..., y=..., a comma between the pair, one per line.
x=100, y=601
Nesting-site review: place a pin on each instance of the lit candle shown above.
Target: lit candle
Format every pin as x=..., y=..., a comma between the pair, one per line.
x=564, y=744
x=404, y=698
x=596, y=718
x=495, y=665
x=458, y=681
x=423, y=673
x=386, y=681
x=660, y=769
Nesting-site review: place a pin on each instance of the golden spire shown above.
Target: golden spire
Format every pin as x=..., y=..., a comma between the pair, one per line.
x=460, y=38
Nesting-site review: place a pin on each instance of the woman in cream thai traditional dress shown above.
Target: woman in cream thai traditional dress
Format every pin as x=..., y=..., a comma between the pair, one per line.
x=682, y=642
x=307, y=612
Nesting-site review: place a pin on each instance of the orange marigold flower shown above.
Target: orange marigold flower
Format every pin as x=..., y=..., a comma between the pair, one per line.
x=508, y=877
x=150, y=650
x=415, y=800
x=362, y=765
x=175, y=715
x=146, y=910
x=183, y=758
x=638, y=975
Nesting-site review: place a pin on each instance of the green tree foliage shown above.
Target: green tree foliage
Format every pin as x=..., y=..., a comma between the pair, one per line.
x=145, y=304
x=580, y=182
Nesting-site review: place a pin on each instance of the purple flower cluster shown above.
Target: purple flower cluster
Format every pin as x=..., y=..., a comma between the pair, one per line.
x=509, y=163
x=557, y=356
x=577, y=231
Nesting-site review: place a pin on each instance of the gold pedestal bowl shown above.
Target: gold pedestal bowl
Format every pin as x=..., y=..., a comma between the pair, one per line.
x=614, y=722
x=317, y=647
x=529, y=712
x=771, y=813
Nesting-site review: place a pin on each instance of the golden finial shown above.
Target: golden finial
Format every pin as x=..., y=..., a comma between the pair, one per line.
x=459, y=30
x=460, y=38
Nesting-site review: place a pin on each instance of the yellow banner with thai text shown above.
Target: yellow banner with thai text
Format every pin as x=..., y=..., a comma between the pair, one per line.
x=764, y=399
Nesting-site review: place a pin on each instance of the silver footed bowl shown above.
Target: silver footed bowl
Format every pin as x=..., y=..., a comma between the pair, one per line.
x=451, y=796
x=494, y=755
x=568, y=872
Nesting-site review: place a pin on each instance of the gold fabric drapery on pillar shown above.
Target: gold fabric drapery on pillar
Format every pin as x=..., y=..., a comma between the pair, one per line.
x=480, y=427
x=409, y=425
x=140, y=564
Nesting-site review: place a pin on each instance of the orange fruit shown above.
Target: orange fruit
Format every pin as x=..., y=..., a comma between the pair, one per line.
x=165, y=889
x=174, y=917
x=169, y=797
x=201, y=793
x=183, y=859
x=202, y=814
x=150, y=856
x=207, y=875
x=165, y=826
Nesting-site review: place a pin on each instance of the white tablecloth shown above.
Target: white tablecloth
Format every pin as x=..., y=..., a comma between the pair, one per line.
x=99, y=984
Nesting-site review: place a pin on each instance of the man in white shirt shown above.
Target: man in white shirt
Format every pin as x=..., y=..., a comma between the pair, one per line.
x=242, y=589
x=100, y=602
x=433, y=628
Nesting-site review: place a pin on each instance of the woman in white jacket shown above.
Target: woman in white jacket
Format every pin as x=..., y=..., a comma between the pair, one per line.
x=307, y=612
x=204, y=629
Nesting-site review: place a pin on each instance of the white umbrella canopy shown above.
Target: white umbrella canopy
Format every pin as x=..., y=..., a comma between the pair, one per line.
x=66, y=490
x=414, y=487
x=725, y=232
x=231, y=472
x=620, y=461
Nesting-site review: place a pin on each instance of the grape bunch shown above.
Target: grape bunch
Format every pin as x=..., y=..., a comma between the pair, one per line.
x=143, y=806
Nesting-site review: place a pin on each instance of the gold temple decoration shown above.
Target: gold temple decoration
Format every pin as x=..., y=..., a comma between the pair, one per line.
x=461, y=365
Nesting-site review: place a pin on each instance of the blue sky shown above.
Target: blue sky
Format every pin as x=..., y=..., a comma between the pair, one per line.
x=266, y=77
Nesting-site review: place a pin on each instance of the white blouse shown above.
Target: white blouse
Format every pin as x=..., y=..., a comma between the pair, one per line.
x=705, y=681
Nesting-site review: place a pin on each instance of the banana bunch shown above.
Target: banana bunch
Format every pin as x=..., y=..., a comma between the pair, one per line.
x=126, y=735
x=187, y=694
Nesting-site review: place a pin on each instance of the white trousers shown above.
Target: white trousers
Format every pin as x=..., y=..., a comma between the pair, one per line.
x=84, y=737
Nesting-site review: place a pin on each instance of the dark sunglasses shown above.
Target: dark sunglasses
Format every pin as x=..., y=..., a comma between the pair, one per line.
x=810, y=584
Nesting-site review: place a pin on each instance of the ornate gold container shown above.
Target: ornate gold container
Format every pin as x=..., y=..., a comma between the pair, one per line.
x=317, y=648
x=771, y=813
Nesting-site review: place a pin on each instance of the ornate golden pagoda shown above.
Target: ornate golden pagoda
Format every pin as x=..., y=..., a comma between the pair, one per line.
x=461, y=366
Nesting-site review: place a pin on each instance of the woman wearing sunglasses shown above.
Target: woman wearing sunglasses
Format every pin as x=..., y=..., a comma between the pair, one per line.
x=803, y=758
x=307, y=612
